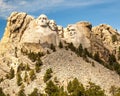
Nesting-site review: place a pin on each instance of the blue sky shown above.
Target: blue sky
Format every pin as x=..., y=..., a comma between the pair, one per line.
x=65, y=12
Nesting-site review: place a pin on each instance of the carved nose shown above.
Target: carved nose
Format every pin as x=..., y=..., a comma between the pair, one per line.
x=70, y=33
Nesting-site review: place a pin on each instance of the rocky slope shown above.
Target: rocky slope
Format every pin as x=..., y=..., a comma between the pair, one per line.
x=23, y=33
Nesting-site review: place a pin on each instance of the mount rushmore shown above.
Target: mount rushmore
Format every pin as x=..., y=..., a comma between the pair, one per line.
x=24, y=32
x=24, y=29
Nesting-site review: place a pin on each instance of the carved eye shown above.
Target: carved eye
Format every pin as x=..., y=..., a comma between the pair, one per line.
x=45, y=18
x=72, y=29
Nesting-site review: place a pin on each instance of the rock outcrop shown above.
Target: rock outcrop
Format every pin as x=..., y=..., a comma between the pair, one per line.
x=105, y=36
x=16, y=25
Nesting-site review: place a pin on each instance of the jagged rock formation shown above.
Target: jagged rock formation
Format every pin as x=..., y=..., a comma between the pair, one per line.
x=16, y=25
x=106, y=39
x=24, y=33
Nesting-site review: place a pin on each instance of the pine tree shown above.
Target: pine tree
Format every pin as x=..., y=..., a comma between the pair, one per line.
x=72, y=47
x=12, y=73
x=47, y=75
x=52, y=47
x=51, y=89
x=32, y=75
x=1, y=92
x=21, y=93
x=80, y=50
x=19, y=79
x=34, y=93
x=94, y=90
x=60, y=45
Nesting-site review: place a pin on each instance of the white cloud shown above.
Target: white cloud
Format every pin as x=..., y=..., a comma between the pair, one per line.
x=7, y=6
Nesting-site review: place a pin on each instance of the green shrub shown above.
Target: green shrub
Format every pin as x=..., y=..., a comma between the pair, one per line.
x=21, y=93
x=47, y=75
x=1, y=92
x=19, y=79
x=51, y=89
x=11, y=74
x=80, y=50
x=72, y=47
x=75, y=88
x=38, y=64
x=114, y=38
x=94, y=90
x=21, y=67
x=117, y=92
x=25, y=77
x=52, y=47
x=32, y=74
x=27, y=67
x=35, y=93
x=60, y=45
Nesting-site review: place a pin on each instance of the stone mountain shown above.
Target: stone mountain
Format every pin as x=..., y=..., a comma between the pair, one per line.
x=87, y=53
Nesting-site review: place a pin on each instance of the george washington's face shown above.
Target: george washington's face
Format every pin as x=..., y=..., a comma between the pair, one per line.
x=42, y=20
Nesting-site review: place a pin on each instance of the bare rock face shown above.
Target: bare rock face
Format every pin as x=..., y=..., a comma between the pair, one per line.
x=85, y=27
x=107, y=35
x=16, y=25
x=105, y=40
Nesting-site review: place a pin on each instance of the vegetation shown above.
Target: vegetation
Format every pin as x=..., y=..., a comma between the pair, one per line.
x=97, y=58
x=94, y=90
x=52, y=47
x=115, y=91
x=47, y=75
x=74, y=88
x=1, y=79
x=19, y=79
x=27, y=67
x=26, y=77
x=21, y=67
x=32, y=74
x=1, y=92
x=34, y=56
x=114, y=38
x=111, y=64
x=35, y=93
x=119, y=53
x=21, y=93
x=60, y=45
x=11, y=74
x=51, y=89
x=72, y=47
x=38, y=64
x=80, y=50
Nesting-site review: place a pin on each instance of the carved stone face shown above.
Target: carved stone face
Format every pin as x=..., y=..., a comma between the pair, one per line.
x=52, y=25
x=42, y=20
x=60, y=31
x=72, y=31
